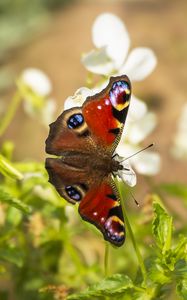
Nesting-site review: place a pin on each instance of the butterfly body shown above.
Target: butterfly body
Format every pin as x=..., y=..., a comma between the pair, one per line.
x=84, y=139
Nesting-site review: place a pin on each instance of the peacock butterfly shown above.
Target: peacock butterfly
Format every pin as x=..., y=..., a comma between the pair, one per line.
x=84, y=139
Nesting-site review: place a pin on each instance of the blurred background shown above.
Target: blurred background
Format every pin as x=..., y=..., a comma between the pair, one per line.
x=51, y=35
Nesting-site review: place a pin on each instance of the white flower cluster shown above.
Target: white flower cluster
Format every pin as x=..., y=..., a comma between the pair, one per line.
x=110, y=58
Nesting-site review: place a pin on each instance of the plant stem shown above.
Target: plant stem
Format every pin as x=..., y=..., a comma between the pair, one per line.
x=5, y=122
x=138, y=254
x=106, y=260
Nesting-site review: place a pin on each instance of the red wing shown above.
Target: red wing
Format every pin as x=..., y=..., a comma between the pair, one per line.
x=98, y=124
x=101, y=207
x=99, y=201
x=105, y=113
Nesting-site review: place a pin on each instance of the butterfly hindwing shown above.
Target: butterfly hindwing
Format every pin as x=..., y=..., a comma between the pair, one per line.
x=70, y=182
x=101, y=207
x=98, y=199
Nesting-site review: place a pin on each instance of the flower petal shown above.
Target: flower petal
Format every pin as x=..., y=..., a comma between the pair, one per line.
x=136, y=132
x=127, y=175
x=139, y=64
x=147, y=163
x=37, y=81
x=47, y=114
x=137, y=109
x=98, y=62
x=179, y=148
x=78, y=98
x=110, y=32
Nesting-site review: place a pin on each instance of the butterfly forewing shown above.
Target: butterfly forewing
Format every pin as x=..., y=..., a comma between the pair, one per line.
x=105, y=113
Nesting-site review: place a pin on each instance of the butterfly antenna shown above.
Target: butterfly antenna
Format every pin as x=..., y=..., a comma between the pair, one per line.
x=139, y=151
x=134, y=198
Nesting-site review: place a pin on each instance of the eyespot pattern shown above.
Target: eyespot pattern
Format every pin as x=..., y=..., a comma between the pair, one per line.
x=73, y=193
x=120, y=94
x=75, y=121
x=115, y=229
x=76, y=192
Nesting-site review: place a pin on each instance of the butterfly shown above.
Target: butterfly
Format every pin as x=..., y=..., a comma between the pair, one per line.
x=84, y=140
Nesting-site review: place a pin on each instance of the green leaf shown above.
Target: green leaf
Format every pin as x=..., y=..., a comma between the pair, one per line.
x=110, y=286
x=181, y=269
x=7, y=149
x=12, y=255
x=158, y=274
x=175, y=189
x=180, y=250
x=8, y=170
x=161, y=226
x=7, y=198
x=182, y=289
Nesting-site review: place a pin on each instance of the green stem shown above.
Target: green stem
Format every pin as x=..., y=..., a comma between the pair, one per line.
x=74, y=256
x=106, y=260
x=138, y=254
x=5, y=122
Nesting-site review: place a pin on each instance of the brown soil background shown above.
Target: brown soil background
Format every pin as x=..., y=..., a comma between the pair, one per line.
x=158, y=24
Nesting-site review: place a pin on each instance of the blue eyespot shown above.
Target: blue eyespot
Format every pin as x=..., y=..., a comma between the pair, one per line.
x=114, y=230
x=119, y=93
x=75, y=121
x=73, y=193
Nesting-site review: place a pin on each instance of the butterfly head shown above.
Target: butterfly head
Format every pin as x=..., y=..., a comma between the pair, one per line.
x=123, y=170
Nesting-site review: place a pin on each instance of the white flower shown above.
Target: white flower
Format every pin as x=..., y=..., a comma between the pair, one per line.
x=179, y=148
x=37, y=81
x=78, y=98
x=145, y=163
x=127, y=174
x=110, y=57
x=47, y=113
x=112, y=43
x=137, y=130
x=35, y=88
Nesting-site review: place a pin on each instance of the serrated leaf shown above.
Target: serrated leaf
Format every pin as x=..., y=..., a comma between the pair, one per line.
x=8, y=170
x=12, y=255
x=9, y=199
x=110, y=286
x=158, y=274
x=161, y=226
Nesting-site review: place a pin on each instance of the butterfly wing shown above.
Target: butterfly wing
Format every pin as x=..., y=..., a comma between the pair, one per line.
x=79, y=135
x=105, y=113
x=101, y=207
x=97, y=197
x=98, y=124
x=69, y=133
x=71, y=182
